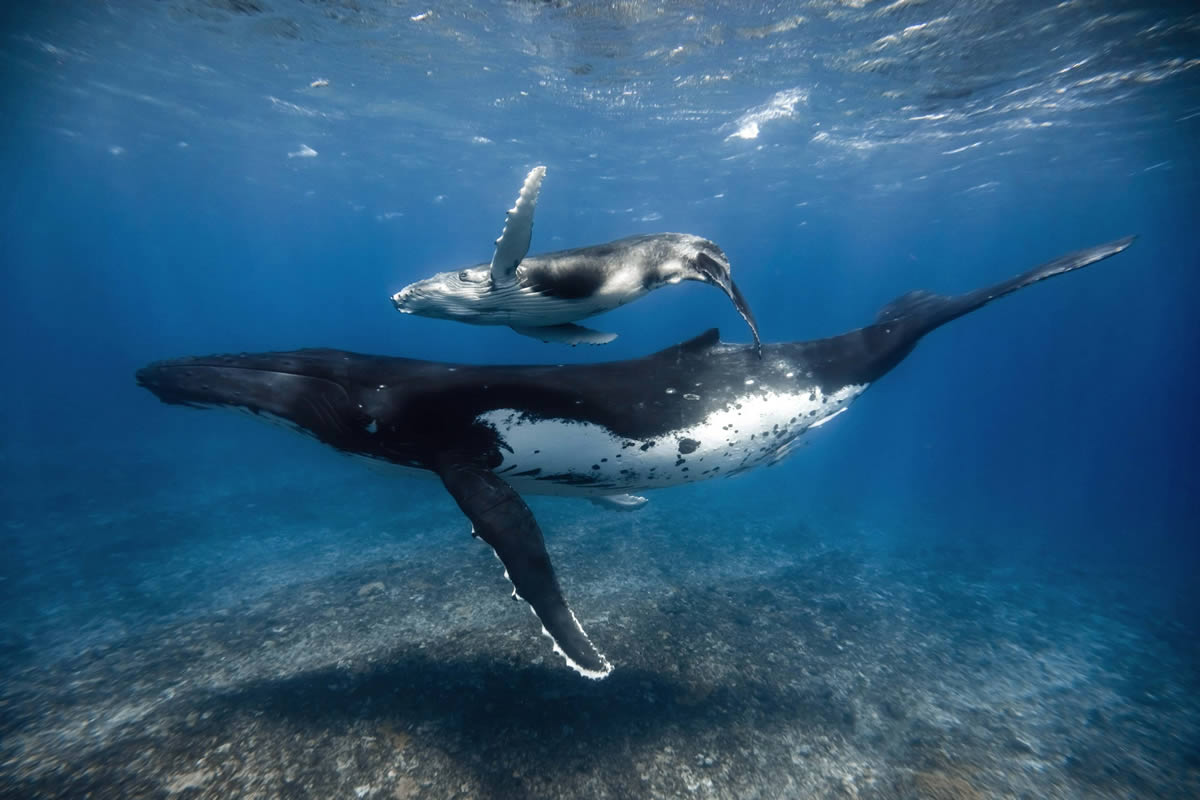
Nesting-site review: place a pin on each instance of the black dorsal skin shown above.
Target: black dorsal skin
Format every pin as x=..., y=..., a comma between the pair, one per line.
x=426, y=415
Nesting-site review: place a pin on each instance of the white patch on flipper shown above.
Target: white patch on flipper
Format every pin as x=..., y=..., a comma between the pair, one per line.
x=514, y=240
x=594, y=674
x=750, y=432
x=582, y=670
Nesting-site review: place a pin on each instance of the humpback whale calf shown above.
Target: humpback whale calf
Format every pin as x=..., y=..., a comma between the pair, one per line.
x=696, y=411
x=544, y=295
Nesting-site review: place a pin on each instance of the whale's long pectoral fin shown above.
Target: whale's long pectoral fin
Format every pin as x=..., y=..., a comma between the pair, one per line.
x=567, y=333
x=502, y=519
x=514, y=240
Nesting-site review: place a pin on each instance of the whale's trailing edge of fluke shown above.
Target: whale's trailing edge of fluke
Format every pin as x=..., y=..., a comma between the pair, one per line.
x=934, y=310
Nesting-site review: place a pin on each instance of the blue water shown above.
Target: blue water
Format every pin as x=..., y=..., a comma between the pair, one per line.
x=156, y=204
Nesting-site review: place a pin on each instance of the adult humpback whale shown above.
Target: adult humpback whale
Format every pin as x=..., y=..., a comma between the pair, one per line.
x=698, y=410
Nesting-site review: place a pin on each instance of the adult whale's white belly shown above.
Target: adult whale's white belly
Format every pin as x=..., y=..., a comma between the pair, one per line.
x=568, y=457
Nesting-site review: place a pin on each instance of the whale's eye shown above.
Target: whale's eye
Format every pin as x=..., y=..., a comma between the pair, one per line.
x=473, y=276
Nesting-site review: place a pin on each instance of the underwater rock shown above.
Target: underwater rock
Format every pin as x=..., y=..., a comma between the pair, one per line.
x=371, y=588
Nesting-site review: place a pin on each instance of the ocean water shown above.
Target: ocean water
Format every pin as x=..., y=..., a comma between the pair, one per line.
x=980, y=582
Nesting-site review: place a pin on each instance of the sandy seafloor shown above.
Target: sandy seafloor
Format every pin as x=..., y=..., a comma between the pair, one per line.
x=297, y=626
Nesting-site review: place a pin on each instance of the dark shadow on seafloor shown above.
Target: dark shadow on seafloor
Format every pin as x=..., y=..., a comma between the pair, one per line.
x=494, y=718
x=497, y=721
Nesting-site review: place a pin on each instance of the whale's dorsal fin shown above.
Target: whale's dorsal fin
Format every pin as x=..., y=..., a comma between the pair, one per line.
x=513, y=243
x=696, y=345
x=501, y=518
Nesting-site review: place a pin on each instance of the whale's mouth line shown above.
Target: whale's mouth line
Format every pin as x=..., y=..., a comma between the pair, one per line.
x=157, y=379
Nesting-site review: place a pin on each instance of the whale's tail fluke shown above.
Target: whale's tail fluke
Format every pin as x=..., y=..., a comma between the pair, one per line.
x=866, y=354
x=925, y=311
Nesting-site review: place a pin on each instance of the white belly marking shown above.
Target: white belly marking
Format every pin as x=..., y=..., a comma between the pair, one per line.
x=561, y=456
